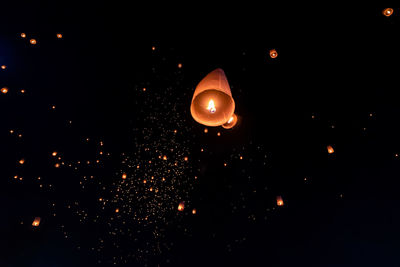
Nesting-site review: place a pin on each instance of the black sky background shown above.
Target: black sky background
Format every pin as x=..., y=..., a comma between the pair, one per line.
x=336, y=63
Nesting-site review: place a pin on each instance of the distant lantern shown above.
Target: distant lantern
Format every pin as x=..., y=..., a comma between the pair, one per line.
x=330, y=149
x=21, y=161
x=124, y=176
x=22, y=91
x=33, y=41
x=164, y=157
x=218, y=134
x=273, y=53
x=194, y=211
x=279, y=201
x=23, y=35
x=153, y=48
x=116, y=210
x=231, y=122
x=212, y=102
x=205, y=130
x=4, y=90
x=387, y=12
x=36, y=221
x=3, y=67
x=181, y=206
x=59, y=35
x=180, y=65
x=54, y=153
x=185, y=158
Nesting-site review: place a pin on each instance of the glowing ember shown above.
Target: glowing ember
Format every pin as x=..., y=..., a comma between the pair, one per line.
x=194, y=211
x=4, y=90
x=59, y=35
x=279, y=201
x=387, y=12
x=181, y=206
x=124, y=176
x=3, y=67
x=33, y=41
x=23, y=35
x=330, y=149
x=273, y=53
x=54, y=154
x=36, y=222
x=211, y=106
x=21, y=161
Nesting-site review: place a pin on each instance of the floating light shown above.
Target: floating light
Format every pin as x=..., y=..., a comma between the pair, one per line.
x=36, y=221
x=33, y=41
x=273, y=53
x=231, y=122
x=4, y=90
x=279, y=201
x=23, y=35
x=181, y=206
x=194, y=211
x=59, y=35
x=3, y=67
x=124, y=176
x=330, y=149
x=387, y=12
x=212, y=102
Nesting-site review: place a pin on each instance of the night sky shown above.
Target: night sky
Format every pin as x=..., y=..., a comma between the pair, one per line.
x=97, y=138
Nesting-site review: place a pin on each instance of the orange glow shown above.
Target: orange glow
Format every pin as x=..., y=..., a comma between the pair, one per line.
x=153, y=48
x=3, y=67
x=181, y=206
x=59, y=35
x=4, y=90
x=22, y=91
x=330, y=149
x=194, y=211
x=205, y=130
x=21, y=161
x=54, y=154
x=180, y=65
x=144, y=89
x=211, y=106
x=124, y=176
x=212, y=102
x=387, y=12
x=57, y=165
x=279, y=201
x=116, y=210
x=164, y=157
x=185, y=158
x=218, y=134
x=231, y=122
x=36, y=221
x=23, y=35
x=273, y=53
x=33, y=41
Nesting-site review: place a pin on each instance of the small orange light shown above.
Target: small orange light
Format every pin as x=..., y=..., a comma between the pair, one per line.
x=36, y=222
x=21, y=161
x=330, y=149
x=4, y=90
x=205, y=130
x=164, y=157
x=124, y=176
x=116, y=210
x=279, y=201
x=181, y=206
x=180, y=65
x=185, y=158
x=218, y=134
x=22, y=91
x=153, y=48
x=387, y=12
x=33, y=41
x=23, y=35
x=54, y=154
x=59, y=35
x=57, y=165
x=273, y=53
x=144, y=89
x=3, y=67
x=194, y=211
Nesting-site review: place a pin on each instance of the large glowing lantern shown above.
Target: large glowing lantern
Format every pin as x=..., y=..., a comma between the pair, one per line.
x=212, y=102
x=36, y=222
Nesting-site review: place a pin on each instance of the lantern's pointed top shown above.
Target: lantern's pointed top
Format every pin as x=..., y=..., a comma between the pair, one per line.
x=214, y=80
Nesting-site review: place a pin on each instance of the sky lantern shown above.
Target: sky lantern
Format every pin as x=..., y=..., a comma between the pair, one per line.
x=279, y=201
x=33, y=41
x=23, y=35
x=273, y=53
x=4, y=90
x=124, y=176
x=231, y=122
x=3, y=67
x=36, y=222
x=194, y=211
x=387, y=12
x=59, y=35
x=181, y=206
x=330, y=149
x=212, y=102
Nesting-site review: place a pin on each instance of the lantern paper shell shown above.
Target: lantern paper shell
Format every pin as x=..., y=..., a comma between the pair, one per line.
x=231, y=122
x=36, y=222
x=273, y=53
x=212, y=102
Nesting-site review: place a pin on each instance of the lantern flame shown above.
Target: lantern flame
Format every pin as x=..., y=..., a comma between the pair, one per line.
x=279, y=201
x=211, y=106
x=330, y=149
